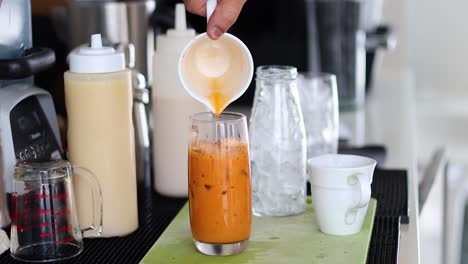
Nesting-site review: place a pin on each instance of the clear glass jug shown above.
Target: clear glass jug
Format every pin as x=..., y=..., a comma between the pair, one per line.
x=277, y=144
x=44, y=220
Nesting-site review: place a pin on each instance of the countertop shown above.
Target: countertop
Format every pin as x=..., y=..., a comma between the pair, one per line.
x=388, y=118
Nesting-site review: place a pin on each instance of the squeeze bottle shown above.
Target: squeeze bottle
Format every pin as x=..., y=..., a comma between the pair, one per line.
x=172, y=107
x=98, y=97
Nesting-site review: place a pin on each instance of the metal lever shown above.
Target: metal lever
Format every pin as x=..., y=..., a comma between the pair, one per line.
x=141, y=99
x=381, y=37
x=437, y=163
x=140, y=121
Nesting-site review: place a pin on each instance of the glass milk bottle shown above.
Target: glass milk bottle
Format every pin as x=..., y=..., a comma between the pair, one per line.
x=277, y=144
x=98, y=97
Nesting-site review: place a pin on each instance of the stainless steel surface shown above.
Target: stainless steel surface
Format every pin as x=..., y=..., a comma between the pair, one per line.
x=435, y=166
x=142, y=133
x=15, y=32
x=384, y=38
x=141, y=99
x=401, y=228
x=118, y=22
x=15, y=38
x=4, y=215
x=455, y=212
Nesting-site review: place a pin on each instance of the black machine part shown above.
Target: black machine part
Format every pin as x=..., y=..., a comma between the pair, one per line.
x=34, y=138
x=33, y=61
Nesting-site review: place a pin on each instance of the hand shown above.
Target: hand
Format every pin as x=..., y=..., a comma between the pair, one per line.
x=223, y=17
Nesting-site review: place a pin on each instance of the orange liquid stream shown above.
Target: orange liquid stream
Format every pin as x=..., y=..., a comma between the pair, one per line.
x=217, y=99
x=220, y=192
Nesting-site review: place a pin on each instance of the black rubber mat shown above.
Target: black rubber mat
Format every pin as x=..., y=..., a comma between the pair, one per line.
x=156, y=212
x=390, y=189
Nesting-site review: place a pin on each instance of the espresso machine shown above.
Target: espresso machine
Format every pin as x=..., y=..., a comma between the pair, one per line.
x=28, y=121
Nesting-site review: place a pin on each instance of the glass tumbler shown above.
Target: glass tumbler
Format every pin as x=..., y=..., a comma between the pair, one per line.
x=219, y=183
x=319, y=102
x=44, y=220
x=278, y=144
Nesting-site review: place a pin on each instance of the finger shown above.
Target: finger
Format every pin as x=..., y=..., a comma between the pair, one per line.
x=224, y=16
x=197, y=7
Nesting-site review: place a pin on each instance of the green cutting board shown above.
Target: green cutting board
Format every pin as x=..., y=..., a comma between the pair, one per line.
x=294, y=239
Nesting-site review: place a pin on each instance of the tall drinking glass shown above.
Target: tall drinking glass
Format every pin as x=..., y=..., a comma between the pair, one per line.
x=319, y=102
x=219, y=183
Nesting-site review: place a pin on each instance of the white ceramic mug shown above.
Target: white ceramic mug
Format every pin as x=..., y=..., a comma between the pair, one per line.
x=340, y=191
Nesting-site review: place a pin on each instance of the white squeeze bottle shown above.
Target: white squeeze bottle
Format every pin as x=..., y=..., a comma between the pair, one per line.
x=172, y=107
x=98, y=97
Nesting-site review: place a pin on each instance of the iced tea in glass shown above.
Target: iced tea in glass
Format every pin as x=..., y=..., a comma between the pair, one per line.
x=219, y=183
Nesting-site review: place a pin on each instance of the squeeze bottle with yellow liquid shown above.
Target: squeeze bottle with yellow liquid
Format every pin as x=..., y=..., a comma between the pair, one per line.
x=98, y=97
x=171, y=110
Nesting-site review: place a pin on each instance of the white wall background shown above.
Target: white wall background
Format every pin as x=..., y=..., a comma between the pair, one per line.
x=433, y=44
x=438, y=46
x=396, y=14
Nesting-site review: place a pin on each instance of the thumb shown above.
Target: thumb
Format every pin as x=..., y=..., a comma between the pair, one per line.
x=223, y=17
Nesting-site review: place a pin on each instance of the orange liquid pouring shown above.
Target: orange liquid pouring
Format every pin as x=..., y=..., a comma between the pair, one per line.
x=218, y=100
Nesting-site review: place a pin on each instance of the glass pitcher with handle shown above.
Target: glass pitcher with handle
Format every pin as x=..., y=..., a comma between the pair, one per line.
x=44, y=219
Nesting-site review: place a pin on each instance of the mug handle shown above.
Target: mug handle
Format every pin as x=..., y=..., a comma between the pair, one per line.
x=364, y=190
x=364, y=196
x=95, y=230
